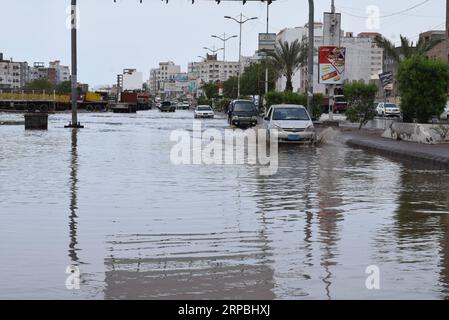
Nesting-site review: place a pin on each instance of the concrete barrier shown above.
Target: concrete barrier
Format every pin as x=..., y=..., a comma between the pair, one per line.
x=417, y=132
x=36, y=121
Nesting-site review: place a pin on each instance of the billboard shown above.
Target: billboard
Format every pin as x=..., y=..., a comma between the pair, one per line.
x=267, y=42
x=332, y=62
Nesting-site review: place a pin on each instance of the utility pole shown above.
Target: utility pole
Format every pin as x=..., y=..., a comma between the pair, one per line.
x=240, y=22
x=74, y=78
x=334, y=40
x=266, y=67
x=310, y=62
x=447, y=30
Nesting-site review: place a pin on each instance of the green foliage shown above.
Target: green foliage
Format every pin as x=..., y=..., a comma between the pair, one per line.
x=274, y=97
x=317, y=102
x=423, y=86
x=253, y=79
x=360, y=99
x=64, y=87
x=204, y=101
x=295, y=98
x=287, y=58
x=230, y=88
x=40, y=84
x=211, y=90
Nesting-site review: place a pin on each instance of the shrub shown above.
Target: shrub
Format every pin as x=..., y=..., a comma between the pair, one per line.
x=360, y=99
x=423, y=86
x=274, y=97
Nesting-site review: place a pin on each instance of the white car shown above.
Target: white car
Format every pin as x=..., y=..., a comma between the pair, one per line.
x=203, y=111
x=291, y=122
x=388, y=110
x=445, y=114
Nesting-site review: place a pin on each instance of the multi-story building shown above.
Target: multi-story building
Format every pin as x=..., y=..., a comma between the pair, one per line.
x=159, y=76
x=212, y=70
x=39, y=71
x=364, y=59
x=132, y=80
x=62, y=72
x=438, y=51
x=13, y=75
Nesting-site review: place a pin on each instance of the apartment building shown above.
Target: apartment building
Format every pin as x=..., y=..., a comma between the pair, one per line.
x=13, y=75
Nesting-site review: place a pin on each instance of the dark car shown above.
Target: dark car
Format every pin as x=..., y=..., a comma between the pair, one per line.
x=242, y=113
x=167, y=106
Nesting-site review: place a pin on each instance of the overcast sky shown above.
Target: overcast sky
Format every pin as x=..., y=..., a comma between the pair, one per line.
x=126, y=34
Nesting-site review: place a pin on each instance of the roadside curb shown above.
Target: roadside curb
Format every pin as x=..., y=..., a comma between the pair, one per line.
x=436, y=161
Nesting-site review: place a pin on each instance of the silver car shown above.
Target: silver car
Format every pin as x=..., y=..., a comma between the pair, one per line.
x=388, y=110
x=291, y=122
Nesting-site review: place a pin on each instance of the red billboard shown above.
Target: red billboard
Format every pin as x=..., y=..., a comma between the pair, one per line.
x=331, y=65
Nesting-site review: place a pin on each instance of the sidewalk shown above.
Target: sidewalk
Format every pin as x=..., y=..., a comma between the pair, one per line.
x=436, y=155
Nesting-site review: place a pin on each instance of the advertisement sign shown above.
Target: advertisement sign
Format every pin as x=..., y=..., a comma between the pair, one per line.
x=331, y=65
x=267, y=42
x=386, y=79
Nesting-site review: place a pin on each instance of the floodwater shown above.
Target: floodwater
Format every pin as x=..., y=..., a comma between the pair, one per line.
x=108, y=200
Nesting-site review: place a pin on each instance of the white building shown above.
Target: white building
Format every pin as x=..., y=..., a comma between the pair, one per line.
x=132, y=80
x=363, y=57
x=213, y=70
x=13, y=75
x=62, y=72
x=159, y=76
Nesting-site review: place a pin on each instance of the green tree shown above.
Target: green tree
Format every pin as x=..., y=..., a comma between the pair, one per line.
x=423, y=86
x=211, y=90
x=287, y=58
x=40, y=85
x=230, y=88
x=407, y=48
x=253, y=79
x=64, y=87
x=360, y=99
x=274, y=97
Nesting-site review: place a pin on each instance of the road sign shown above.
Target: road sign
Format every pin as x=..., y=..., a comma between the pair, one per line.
x=386, y=79
x=267, y=42
x=332, y=62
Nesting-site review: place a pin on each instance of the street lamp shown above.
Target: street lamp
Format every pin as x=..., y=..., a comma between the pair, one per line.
x=224, y=39
x=214, y=51
x=311, y=45
x=240, y=22
x=74, y=124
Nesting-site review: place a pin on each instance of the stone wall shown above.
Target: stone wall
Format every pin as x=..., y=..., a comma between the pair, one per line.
x=421, y=133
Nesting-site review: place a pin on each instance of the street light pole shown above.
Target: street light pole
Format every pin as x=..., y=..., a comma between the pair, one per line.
x=266, y=67
x=74, y=78
x=241, y=22
x=224, y=39
x=310, y=62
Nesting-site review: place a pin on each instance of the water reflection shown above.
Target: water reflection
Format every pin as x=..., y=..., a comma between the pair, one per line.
x=422, y=220
x=73, y=218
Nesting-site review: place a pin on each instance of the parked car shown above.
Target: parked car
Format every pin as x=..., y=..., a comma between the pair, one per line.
x=292, y=122
x=388, y=110
x=184, y=106
x=167, y=106
x=242, y=113
x=445, y=114
x=204, y=111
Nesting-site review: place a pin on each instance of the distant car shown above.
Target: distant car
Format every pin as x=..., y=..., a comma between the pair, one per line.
x=242, y=113
x=204, y=111
x=292, y=122
x=388, y=110
x=184, y=106
x=445, y=114
x=167, y=106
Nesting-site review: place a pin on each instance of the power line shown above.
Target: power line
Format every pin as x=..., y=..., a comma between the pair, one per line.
x=388, y=15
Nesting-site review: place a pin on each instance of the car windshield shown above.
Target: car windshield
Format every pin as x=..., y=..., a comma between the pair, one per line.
x=244, y=107
x=166, y=104
x=290, y=114
x=204, y=109
x=390, y=105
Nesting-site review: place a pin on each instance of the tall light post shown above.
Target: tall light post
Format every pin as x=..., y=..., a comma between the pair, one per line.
x=214, y=51
x=224, y=39
x=240, y=22
x=74, y=80
x=311, y=45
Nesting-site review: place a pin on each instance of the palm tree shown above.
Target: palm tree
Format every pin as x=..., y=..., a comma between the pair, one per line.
x=407, y=48
x=287, y=58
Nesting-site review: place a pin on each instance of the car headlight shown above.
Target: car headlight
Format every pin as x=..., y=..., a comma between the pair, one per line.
x=310, y=128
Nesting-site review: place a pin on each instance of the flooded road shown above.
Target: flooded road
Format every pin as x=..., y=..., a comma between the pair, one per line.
x=108, y=200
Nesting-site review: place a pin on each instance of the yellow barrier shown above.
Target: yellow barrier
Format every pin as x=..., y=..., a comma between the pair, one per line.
x=60, y=98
